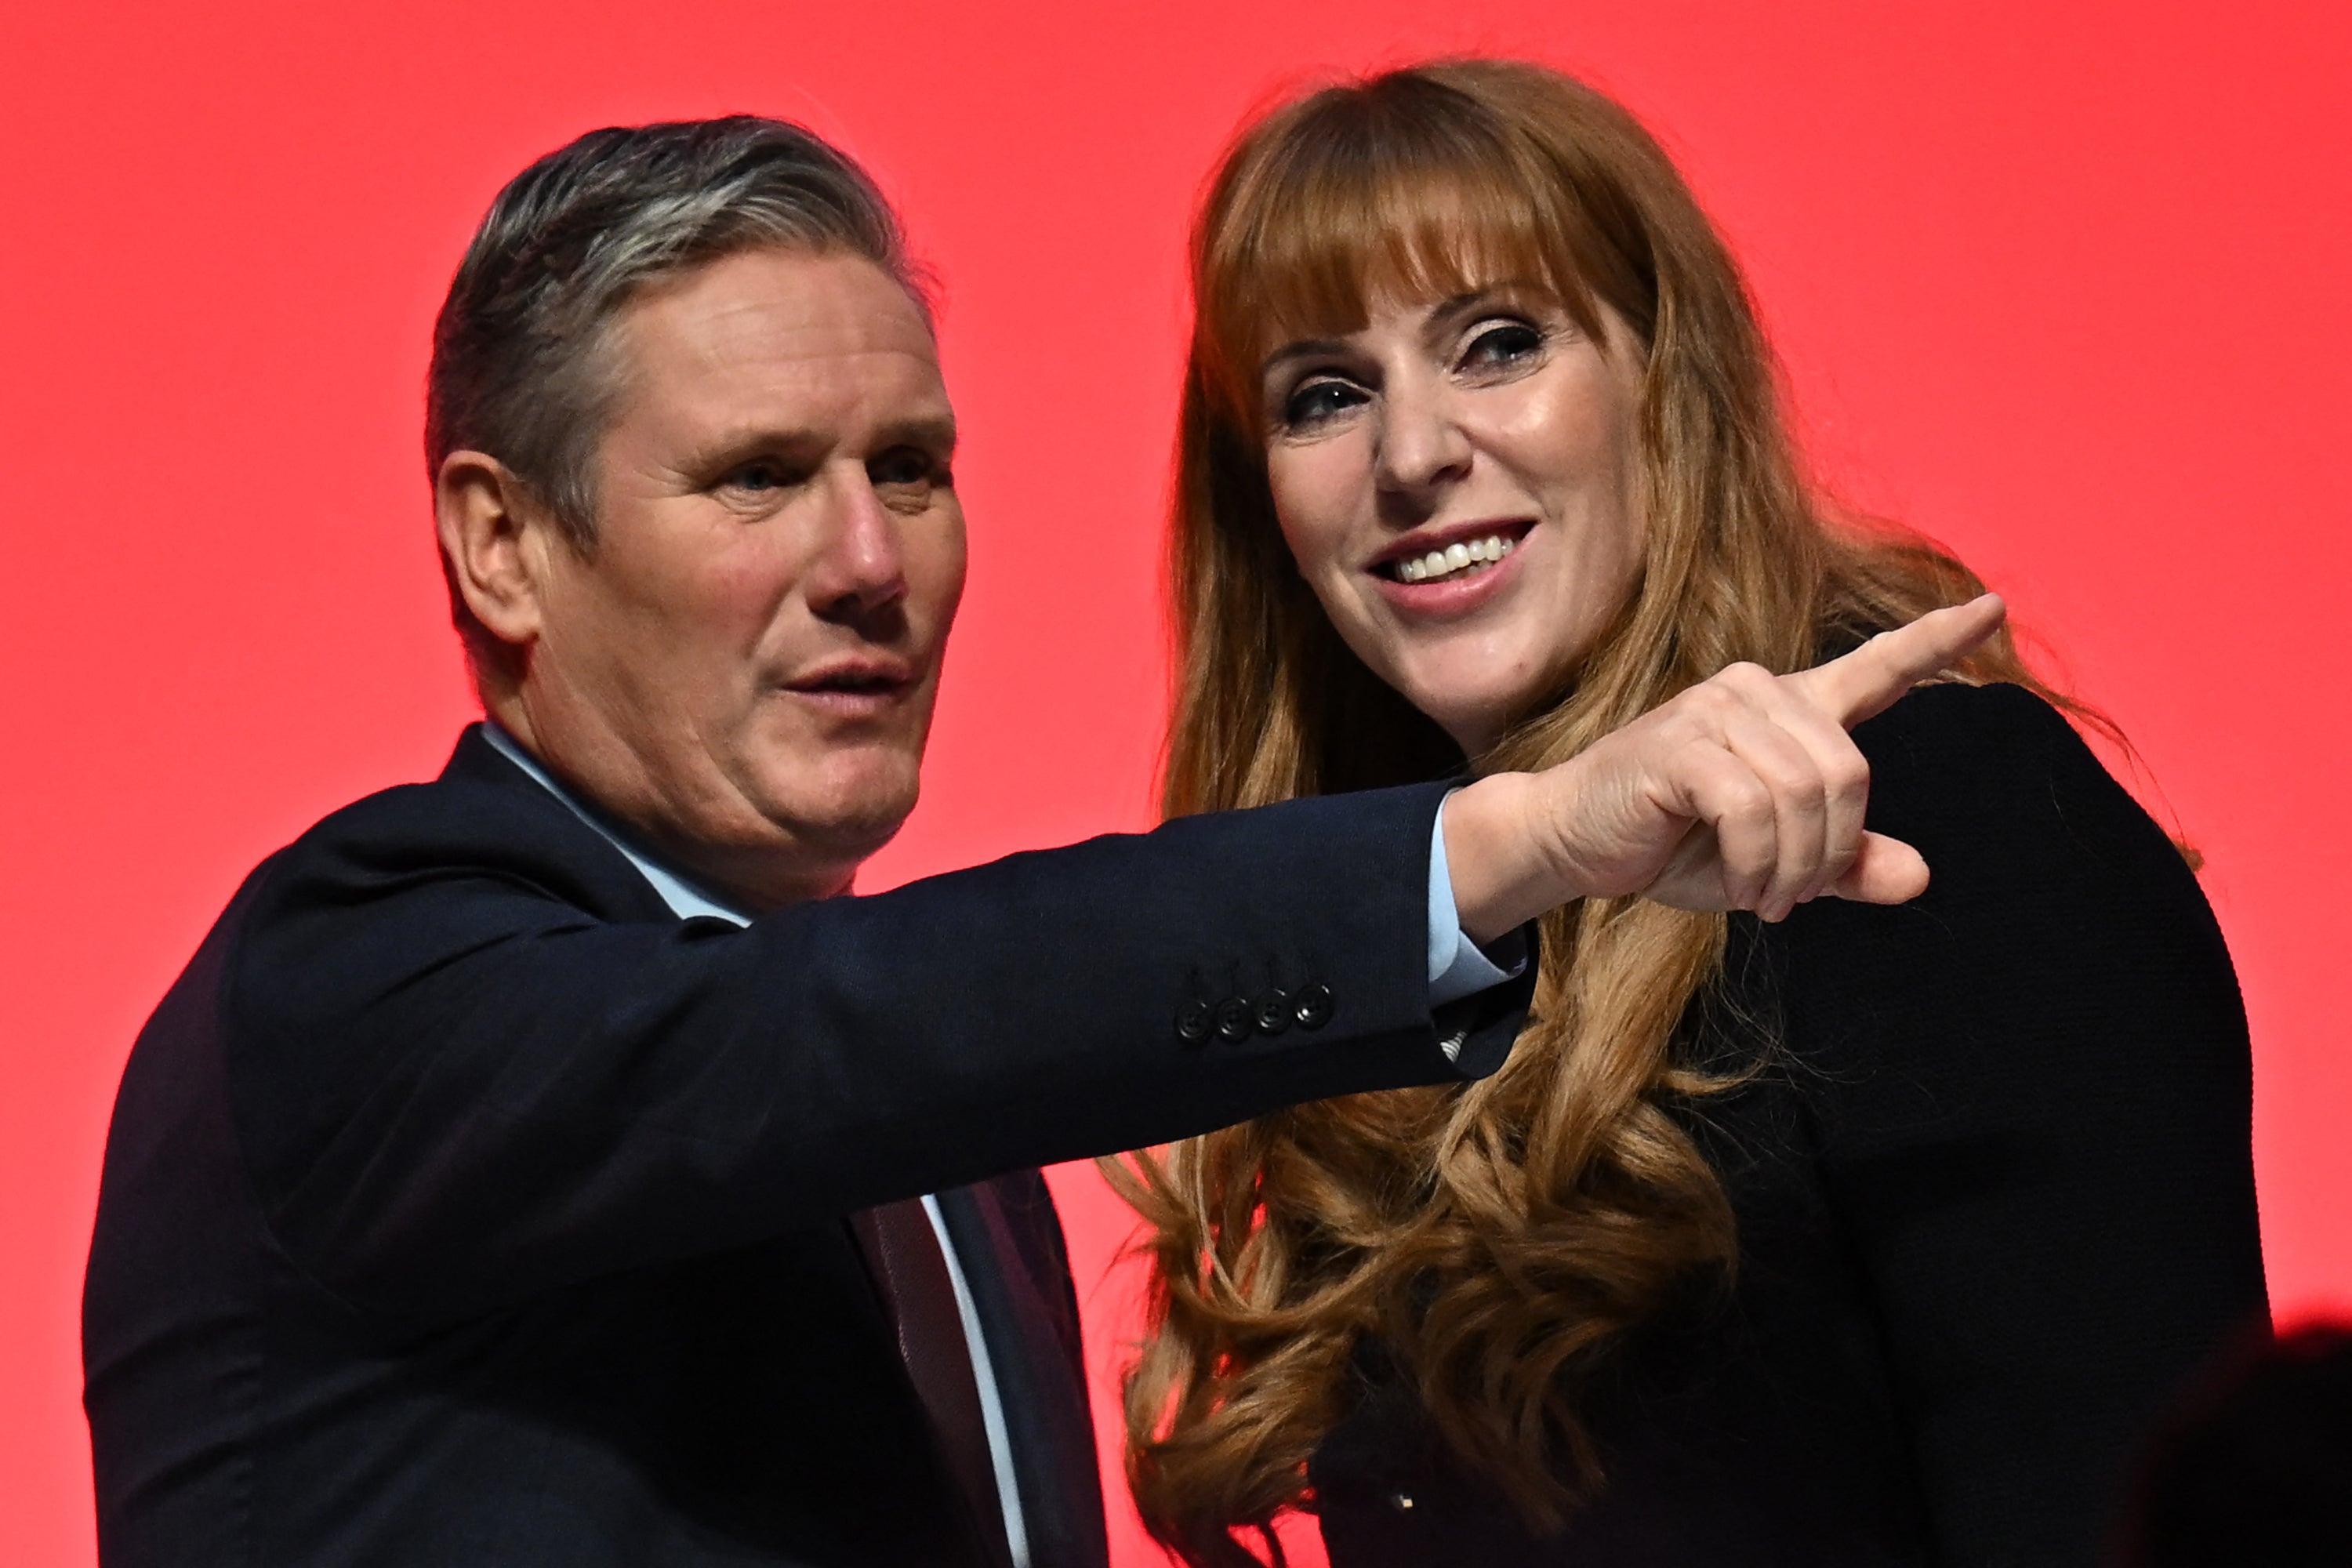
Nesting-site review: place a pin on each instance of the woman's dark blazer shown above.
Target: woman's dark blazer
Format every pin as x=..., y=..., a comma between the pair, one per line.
x=462, y=1205
x=1994, y=1194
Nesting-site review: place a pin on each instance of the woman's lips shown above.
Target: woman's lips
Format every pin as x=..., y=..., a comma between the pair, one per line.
x=1460, y=594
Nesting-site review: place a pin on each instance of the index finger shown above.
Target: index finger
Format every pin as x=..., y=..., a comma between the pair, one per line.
x=1866, y=681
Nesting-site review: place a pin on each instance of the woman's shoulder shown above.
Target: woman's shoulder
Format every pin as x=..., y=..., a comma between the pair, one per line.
x=1950, y=709
x=1996, y=773
x=1998, y=727
x=2025, y=1095
x=2056, y=909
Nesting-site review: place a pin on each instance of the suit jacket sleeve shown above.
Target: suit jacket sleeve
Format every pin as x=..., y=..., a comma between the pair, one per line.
x=459, y=1079
x=2036, y=1106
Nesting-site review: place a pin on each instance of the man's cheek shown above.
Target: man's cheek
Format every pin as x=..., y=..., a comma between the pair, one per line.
x=946, y=564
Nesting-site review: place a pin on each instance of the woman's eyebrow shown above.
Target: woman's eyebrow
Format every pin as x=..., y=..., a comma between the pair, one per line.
x=1305, y=348
x=1440, y=315
x=1445, y=313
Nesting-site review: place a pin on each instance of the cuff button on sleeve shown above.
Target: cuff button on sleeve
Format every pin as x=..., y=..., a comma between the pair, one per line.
x=1274, y=1012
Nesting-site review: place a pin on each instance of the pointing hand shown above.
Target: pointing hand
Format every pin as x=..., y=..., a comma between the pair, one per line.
x=1743, y=793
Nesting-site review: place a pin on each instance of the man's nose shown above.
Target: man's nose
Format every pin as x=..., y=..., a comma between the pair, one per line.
x=861, y=565
x=1421, y=442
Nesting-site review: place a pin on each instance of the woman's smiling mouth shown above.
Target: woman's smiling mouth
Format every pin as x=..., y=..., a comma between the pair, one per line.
x=1454, y=561
x=1443, y=571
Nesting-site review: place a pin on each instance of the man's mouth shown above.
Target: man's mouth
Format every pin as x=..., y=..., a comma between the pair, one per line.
x=855, y=681
x=1463, y=556
x=856, y=685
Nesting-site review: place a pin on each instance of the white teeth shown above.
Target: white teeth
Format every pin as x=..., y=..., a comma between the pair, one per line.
x=1454, y=558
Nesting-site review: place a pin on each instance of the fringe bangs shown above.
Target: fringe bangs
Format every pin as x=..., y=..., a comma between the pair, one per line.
x=1411, y=190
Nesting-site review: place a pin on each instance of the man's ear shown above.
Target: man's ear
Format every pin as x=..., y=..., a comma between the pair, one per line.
x=496, y=536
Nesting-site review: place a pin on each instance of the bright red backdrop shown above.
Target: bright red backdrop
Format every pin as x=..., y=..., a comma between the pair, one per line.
x=2063, y=284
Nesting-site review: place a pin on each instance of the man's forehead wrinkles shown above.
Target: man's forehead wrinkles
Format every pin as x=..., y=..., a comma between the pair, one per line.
x=815, y=353
x=793, y=294
x=815, y=333
x=783, y=356
x=701, y=333
x=804, y=403
x=731, y=391
x=822, y=434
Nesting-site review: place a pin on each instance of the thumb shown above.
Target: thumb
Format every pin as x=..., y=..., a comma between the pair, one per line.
x=1885, y=872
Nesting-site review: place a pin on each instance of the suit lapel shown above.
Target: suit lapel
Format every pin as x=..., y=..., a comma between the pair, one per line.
x=1008, y=1241
x=620, y=891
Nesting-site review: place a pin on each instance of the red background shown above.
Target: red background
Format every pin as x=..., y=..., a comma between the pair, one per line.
x=2066, y=285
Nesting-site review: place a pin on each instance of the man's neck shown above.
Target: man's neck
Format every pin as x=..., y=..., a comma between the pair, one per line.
x=686, y=898
x=740, y=879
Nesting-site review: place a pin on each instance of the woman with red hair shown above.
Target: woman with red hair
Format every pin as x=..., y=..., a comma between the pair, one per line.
x=1797, y=1229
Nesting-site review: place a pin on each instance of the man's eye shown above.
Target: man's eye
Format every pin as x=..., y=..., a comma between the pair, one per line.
x=1318, y=401
x=908, y=480
x=905, y=465
x=1502, y=347
x=760, y=477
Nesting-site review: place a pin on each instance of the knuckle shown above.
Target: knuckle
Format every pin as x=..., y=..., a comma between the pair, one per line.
x=1710, y=697
x=1750, y=802
x=1680, y=720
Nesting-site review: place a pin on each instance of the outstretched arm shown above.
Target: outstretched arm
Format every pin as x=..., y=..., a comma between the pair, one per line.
x=466, y=1068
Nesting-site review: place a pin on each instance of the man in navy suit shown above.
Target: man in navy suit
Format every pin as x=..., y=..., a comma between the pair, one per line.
x=543, y=1164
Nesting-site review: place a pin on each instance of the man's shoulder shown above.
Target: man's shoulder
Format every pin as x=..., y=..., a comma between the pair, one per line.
x=456, y=816
x=481, y=823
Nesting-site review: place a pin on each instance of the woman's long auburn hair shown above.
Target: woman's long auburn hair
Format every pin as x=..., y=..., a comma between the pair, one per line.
x=1499, y=1238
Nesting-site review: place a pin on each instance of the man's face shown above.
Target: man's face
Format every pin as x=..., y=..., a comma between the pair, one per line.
x=743, y=667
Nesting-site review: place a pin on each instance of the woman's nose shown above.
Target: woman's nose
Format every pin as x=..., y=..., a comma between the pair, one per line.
x=1420, y=443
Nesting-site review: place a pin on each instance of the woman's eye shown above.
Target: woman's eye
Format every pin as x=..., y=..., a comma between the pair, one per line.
x=1319, y=400
x=1502, y=347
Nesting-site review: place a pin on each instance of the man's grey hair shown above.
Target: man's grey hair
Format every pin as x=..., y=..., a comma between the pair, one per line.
x=519, y=367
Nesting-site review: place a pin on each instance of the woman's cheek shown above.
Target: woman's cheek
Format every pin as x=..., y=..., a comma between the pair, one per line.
x=1314, y=490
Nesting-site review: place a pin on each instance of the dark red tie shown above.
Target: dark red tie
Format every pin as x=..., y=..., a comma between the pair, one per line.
x=903, y=1252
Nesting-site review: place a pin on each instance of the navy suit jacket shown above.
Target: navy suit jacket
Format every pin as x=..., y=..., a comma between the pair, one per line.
x=463, y=1205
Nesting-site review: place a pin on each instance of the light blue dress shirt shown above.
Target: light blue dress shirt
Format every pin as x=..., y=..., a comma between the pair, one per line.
x=1457, y=968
